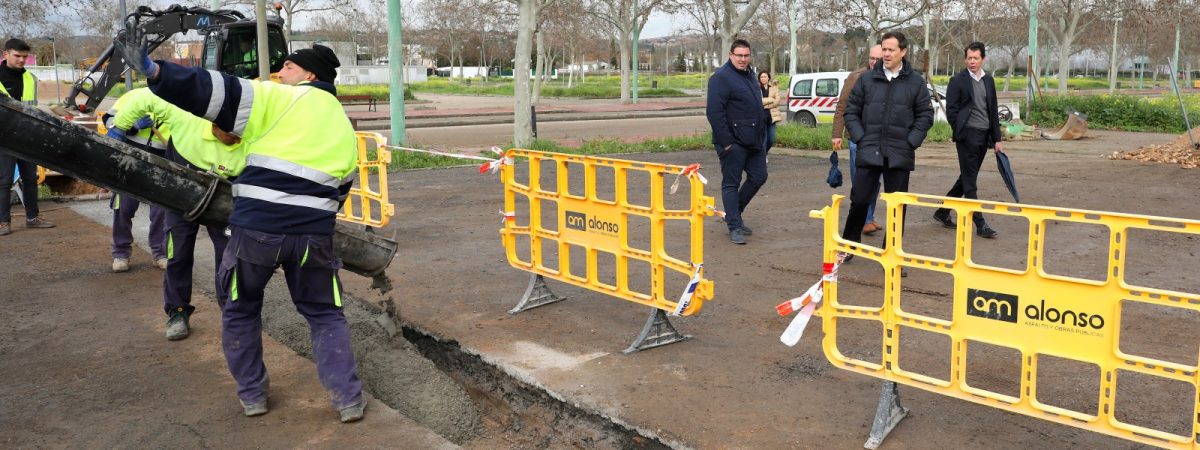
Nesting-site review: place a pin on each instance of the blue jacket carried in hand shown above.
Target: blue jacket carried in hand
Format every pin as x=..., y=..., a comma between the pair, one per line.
x=735, y=109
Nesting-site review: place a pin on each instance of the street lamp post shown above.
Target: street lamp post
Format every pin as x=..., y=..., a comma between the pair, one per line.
x=845, y=49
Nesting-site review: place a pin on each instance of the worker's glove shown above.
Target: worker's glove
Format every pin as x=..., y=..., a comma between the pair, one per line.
x=145, y=123
x=137, y=53
x=116, y=133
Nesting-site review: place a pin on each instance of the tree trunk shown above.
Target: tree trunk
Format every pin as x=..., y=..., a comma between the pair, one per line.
x=1064, y=65
x=626, y=71
x=1012, y=62
x=1112, y=63
x=540, y=71
x=522, y=120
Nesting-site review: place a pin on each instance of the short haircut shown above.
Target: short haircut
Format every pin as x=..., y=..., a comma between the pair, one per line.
x=16, y=44
x=977, y=46
x=901, y=40
x=739, y=43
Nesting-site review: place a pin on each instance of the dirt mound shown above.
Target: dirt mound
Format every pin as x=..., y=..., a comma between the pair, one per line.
x=1180, y=151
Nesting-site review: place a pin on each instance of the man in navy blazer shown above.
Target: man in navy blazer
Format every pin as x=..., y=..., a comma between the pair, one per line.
x=975, y=121
x=739, y=123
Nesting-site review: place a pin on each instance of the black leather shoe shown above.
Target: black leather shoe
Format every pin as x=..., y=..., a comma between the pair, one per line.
x=943, y=216
x=986, y=232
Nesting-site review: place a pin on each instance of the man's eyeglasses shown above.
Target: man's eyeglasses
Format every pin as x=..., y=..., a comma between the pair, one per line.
x=740, y=55
x=873, y=59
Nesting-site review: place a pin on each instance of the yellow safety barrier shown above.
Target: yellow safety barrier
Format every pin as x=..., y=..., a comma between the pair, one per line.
x=599, y=226
x=368, y=201
x=1030, y=311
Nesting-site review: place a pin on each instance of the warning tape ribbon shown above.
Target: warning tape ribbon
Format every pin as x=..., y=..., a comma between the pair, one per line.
x=691, y=171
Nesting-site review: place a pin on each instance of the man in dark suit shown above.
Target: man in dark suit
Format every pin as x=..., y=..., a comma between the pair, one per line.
x=975, y=121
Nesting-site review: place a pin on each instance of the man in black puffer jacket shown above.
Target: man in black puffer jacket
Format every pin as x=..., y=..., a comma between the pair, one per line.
x=888, y=115
x=739, y=124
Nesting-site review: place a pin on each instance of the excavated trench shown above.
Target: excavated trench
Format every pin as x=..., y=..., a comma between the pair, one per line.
x=457, y=394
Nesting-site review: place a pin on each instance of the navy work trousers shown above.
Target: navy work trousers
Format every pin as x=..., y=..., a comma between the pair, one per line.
x=181, y=258
x=124, y=208
x=29, y=190
x=735, y=194
x=310, y=267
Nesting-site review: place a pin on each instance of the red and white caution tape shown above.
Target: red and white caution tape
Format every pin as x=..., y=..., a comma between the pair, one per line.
x=719, y=213
x=685, y=299
x=690, y=171
x=807, y=303
x=509, y=216
x=491, y=165
x=494, y=166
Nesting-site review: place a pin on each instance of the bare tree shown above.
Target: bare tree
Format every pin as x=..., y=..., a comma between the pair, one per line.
x=293, y=7
x=704, y=14
x=527, y=18
x=770, y=28
x=732, y=21
x=621, y=19
x=1064, y=21
x=877, y=16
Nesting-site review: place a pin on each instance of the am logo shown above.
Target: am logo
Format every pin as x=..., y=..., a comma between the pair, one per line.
x=992, y=305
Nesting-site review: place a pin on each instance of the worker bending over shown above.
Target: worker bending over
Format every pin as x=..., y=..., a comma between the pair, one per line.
x=198, y=144
x=300, y=164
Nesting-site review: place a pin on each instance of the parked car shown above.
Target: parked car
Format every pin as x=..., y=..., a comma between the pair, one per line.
x=812, y=98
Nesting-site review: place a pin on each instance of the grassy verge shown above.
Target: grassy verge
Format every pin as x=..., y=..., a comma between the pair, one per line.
x=558, y=89
x=820, y=138
x=1119, y=112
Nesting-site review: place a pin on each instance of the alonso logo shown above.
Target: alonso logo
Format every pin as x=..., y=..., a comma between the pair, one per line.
x=992, y=305
x=580, y=221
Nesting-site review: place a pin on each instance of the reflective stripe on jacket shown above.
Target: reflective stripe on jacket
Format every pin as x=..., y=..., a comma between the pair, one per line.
x=28, y=89
x=301, y=150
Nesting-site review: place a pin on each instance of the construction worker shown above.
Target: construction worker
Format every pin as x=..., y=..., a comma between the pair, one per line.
x=301, y=160
x=21, y=85
x=196, y=143
x=146, y=136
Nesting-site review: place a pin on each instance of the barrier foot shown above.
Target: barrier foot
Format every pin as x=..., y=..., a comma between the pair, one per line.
x=657, y=332
x=887, y=415
x=537, y=294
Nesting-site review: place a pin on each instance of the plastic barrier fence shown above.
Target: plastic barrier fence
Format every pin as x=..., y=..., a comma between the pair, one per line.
x=368, y=201
x=1029, y=311
x=596, y=226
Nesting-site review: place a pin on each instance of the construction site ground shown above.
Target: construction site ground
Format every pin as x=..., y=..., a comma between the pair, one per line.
x=86, y=363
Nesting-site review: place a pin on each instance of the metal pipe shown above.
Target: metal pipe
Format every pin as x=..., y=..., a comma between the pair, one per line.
x=38, y=137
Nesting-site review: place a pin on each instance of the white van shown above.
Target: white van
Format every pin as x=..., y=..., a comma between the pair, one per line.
x=813, y=97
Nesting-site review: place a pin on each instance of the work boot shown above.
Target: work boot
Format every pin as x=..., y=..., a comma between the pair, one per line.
x=120, y=265
x=737, y=236
x=38, y=222
x=161, y=263
x=352, y=413
x=258, y=409
x=5, y=228
x=177, y=328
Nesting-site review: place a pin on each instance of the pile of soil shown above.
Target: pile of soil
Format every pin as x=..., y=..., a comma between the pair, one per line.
x=1180, y=151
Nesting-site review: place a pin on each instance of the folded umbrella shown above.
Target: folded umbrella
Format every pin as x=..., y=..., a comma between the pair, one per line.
x=1006, y=174
x=835, y=176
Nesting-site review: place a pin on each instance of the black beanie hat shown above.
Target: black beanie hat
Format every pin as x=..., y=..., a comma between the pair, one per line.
x=319, y=60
